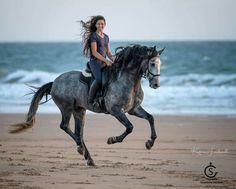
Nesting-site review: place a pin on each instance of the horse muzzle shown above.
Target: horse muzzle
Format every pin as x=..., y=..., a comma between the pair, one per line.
x=154, y=85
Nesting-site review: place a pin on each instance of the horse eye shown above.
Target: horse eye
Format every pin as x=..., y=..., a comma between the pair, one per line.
x=152, y=64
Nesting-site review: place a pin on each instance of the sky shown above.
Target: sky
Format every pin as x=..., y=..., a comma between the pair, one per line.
x=56, y=20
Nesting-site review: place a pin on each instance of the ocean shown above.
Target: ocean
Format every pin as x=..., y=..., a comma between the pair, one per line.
x=196, y=77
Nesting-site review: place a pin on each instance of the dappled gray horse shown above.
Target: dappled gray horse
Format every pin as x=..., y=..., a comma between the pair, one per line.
x=123, y=94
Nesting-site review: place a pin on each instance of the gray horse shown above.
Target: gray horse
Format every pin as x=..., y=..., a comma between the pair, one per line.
x=123, y=94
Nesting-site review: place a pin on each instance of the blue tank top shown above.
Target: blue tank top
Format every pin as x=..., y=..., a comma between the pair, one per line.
x=101, y=44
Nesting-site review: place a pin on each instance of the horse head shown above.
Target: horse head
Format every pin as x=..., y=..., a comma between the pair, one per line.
x=151, y=67
x=145, y=60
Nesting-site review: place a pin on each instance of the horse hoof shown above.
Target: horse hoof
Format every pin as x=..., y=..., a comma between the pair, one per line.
x=90, y=162
x=111, y=140
x=80, y=150
x=149, y=144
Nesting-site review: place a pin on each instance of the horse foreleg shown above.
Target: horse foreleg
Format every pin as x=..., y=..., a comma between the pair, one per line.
x=140, y=112
x=124, y=120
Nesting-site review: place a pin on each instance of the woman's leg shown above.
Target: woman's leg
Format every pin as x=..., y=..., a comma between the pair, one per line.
x=95, y=67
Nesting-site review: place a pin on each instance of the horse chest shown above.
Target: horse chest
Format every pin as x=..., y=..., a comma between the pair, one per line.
x=132, y=100
x=123, y=95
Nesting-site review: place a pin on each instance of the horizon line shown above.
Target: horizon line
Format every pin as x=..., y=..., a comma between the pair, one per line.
x=150, y=40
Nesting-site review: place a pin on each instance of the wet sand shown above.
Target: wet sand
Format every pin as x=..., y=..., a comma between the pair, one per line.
x=46, y=157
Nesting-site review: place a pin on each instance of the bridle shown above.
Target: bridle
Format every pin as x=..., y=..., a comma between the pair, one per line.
x=147, y=72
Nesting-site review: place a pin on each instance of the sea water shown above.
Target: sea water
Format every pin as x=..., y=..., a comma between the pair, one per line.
x=196, y=77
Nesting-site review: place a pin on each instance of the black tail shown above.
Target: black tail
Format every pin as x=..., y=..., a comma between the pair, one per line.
x=30, y=119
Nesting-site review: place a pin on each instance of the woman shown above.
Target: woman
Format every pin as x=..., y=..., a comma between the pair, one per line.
x=96, y=46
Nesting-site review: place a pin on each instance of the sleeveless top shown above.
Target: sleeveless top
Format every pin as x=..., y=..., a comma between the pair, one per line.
x=101, y=44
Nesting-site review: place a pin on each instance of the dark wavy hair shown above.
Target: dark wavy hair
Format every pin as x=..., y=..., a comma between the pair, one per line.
x=87, y=29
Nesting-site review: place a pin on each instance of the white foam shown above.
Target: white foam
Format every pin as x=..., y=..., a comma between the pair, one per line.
x=35, y=76
x=190, y=93
x=199, y=80
x=192, y=99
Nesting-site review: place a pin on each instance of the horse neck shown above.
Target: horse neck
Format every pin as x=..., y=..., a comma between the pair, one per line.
x=130, y=76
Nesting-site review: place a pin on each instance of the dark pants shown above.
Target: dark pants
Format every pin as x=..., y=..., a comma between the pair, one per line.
x=96, y=68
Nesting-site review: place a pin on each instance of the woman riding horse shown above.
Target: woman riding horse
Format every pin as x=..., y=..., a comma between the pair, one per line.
x=96, y=45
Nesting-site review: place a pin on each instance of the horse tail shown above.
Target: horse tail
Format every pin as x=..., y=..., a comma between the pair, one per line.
x=30, y=118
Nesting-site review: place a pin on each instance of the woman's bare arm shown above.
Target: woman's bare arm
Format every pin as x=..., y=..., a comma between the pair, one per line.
x=109, y=54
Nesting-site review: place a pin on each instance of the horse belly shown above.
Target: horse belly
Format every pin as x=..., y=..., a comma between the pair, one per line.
x=67, y=89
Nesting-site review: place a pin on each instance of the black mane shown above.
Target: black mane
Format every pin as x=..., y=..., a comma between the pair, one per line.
x=132, y=54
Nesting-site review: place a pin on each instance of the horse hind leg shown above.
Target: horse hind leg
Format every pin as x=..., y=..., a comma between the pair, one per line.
x=66, y=115
x=87, y=156
x=79, y=117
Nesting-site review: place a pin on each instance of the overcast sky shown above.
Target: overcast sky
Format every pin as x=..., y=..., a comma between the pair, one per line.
x=55, y=20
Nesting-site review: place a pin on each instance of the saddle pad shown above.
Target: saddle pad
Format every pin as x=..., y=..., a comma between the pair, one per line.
x=85, y=73
x=85, y=79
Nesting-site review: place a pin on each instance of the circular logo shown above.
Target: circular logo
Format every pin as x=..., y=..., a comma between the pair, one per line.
x=209, y=171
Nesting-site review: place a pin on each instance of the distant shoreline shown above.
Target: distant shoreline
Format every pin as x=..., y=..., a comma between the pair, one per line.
x=131, y=41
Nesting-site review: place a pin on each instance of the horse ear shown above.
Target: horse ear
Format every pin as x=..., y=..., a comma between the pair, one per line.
x=153, y=50
x=160, y=51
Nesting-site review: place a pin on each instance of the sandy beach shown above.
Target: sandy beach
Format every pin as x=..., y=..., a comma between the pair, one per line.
x=46, y=157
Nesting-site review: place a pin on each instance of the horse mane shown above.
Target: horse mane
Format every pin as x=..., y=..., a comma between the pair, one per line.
x=124, y=56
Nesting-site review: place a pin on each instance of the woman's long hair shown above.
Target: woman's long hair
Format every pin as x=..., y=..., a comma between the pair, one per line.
x=87, y=29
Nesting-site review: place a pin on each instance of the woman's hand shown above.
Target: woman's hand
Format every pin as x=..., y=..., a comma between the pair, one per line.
x=108, y=62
